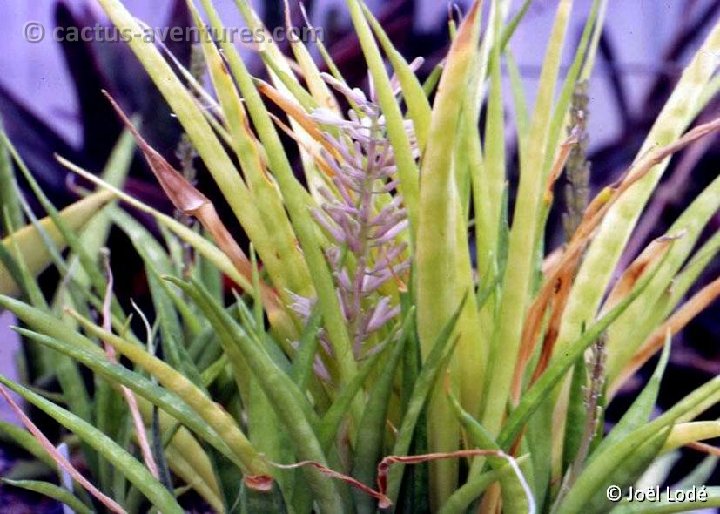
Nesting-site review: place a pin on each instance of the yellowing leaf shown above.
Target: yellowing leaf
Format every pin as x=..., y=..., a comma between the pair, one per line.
x=28, y=244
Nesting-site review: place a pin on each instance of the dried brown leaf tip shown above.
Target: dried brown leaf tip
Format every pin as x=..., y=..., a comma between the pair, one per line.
x=179, y=190
x=466, y=34
x=186, y=198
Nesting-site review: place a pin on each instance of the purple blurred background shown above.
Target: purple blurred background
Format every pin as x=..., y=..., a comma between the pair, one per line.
x=639, y=29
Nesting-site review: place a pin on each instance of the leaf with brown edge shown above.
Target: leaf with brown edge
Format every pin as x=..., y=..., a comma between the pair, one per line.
x=593, y=216
x=192, y=202
x=604, y=200
x=654, y=252
x=312, y=152
x=560, y=271
x=674, y=324
x=558, y=308
x=297, y=113
x=559, y=164
x=557, y=295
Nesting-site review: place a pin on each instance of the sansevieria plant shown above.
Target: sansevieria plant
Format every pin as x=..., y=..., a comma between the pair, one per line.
x=396, y=337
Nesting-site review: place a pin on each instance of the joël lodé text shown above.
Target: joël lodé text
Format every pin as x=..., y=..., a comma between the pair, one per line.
x=656, y=494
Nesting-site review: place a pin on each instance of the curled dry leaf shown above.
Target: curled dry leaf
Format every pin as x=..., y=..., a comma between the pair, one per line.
x=260, y=483
x=384, y=502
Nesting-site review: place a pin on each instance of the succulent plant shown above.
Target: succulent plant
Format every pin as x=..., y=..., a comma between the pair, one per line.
x=371, y=357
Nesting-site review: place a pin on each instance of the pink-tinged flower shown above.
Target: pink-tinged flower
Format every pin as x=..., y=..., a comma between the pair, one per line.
x=363, y=214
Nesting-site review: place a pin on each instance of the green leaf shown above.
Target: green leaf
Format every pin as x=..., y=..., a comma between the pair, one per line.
x=373, y=425
x=560, y=113
x=493, y=173
x=12, y=433
x=45, y=323
x=135, y=472
x=51, y=491
x=436, y=360
x=405, y=161
x=168, y=401
x=442, y=263
x=514, y=491
x=284, y=396
x=621, y=465
x=212, y=413
x=330, y=423
x=464, y=496
x=519, y=100
x=10, y=209
x=626, y=459
x=577, y=413
x=523, y=236
x=418, y=105
x=641, y=409
x=302, y=367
